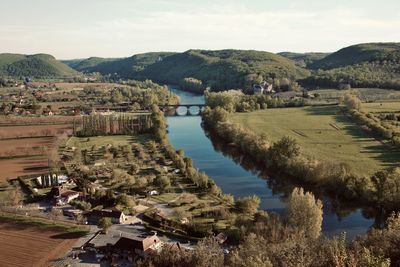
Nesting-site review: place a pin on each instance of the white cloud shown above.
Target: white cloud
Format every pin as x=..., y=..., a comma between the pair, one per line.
x=126, y=27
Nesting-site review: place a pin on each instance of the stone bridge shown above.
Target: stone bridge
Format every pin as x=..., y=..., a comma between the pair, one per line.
x=183, y=109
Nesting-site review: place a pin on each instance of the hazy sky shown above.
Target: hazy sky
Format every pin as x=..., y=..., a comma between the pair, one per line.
x=119, y=28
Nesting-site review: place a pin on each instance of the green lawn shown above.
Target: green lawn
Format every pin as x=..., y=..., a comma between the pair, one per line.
x=323, y=133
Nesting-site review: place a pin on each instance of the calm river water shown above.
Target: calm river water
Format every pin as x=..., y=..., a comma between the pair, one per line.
x=186, y=133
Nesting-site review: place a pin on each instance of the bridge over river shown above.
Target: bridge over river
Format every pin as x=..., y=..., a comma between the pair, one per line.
x=183, y=109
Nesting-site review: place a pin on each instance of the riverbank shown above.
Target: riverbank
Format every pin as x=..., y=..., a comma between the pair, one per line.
x=285, y=157
x=233, y=175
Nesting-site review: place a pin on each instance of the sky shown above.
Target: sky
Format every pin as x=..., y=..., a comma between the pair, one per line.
x=71, y=29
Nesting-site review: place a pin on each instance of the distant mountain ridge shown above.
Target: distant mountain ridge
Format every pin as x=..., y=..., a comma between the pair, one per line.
x=220, y=69
x=38, y=66
x=361, y=65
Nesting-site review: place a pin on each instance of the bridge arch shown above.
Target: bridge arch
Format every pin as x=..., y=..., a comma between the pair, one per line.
x=183, y=110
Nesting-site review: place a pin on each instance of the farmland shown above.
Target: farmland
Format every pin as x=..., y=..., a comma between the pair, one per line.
x=30, y=246
x=35, y=242
x=27, y=144
x=323, y=133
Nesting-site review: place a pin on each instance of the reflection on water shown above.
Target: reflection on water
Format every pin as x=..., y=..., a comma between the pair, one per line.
x=236, y=175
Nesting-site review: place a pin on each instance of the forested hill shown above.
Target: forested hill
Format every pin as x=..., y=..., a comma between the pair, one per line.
x=363, y=65
x=36, y=66
x=304, y=59
x=374, y=65
x=125, y=67
x=224, y=69
x=358, y=54
x=198, y=69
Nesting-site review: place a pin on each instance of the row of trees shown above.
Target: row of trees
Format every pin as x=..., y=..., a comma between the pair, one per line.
x=94, y=125
x=370, y=122
x=184, y=164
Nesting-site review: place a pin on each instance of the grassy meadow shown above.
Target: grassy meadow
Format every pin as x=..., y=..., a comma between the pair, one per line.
x=323, y=132
x=378, y=107
x=366, y=94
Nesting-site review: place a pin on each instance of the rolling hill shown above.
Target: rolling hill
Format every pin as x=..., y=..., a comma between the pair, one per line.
x=220, y=70
x=304, y=59
x=358, y=54
x=36, y=66
x=124, y=67
x=223, y=69
x=363, y=65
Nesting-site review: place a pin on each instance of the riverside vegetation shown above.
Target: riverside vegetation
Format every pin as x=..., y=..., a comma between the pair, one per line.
x=285, y=157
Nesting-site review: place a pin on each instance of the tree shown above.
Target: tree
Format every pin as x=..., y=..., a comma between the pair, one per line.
x=105, y=224
x=125, y=200
x=163, y=182
x=351, y=102
x=249, y=253
x=248, y=205
x=305, y=212
x=202, y=180
x=208, y=253
x=287, y=147
x=15, y=196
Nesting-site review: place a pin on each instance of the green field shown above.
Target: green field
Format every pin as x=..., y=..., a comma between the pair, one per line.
x=323, y=133
x=370, y=94
x=378, y=107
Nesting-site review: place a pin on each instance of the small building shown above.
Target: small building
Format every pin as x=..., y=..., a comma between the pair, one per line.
x=115, y=215
x=263, y=88
x=153, y=193
x=73, y=213
x=139, y=246
x=66, y=197
x=258, y=89
x=220, y=238
x=267, y=87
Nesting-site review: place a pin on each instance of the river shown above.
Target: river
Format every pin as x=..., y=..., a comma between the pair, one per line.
x=185, y=132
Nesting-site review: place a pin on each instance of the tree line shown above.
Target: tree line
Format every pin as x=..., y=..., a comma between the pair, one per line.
x=237, y=101
x=98, y=124
x=372, y=123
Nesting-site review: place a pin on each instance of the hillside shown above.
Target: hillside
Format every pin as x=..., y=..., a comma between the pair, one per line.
x=198, y=69
x=304, y=59
x=223, y=69
x=36, y=66
x=90, y=64
x=363, y=65
x=72, y=63
x=361, y=53
x=125, y=67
